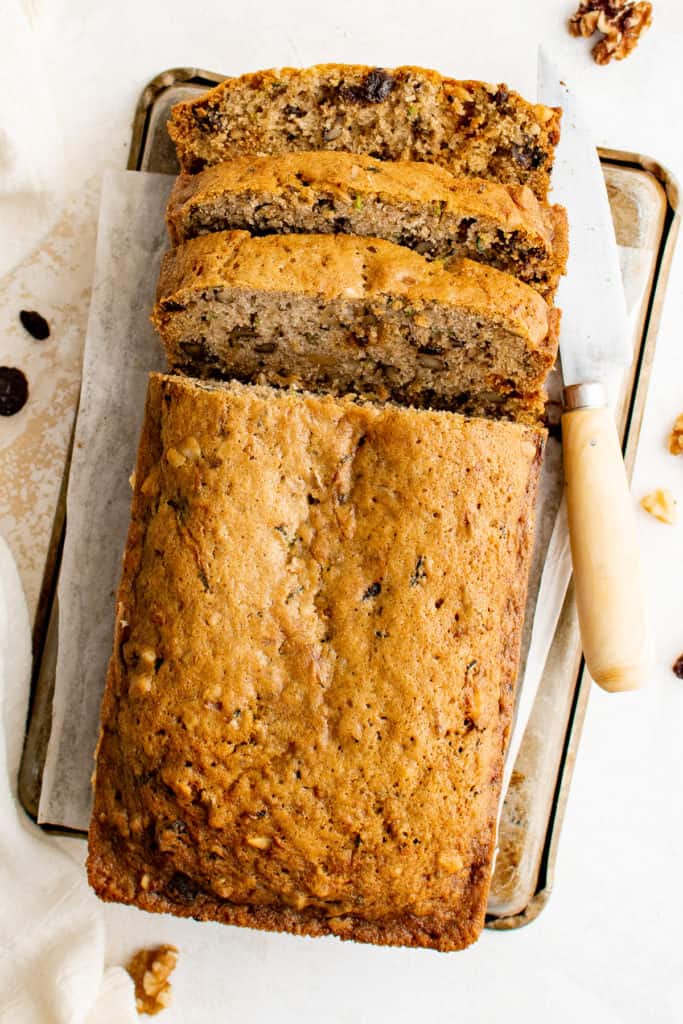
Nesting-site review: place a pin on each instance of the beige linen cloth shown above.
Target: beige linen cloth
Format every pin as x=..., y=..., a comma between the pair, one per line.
x=51, y=925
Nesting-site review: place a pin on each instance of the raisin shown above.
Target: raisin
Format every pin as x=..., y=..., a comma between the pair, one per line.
x=463, y=229
x=292, y=111
x=171, y=306
x=677, y=667
x=528, y=156
x=373, y=591
x=469, y=109
x=36, y=325
x=431, y=350
x=501, y=96
x=181, y=888
x=375, y=88
x=207, y=119
x=13, y=390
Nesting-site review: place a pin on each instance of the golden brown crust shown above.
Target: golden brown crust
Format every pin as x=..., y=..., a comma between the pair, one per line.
x=404, y=113
x=317, y=639
x=417, y=204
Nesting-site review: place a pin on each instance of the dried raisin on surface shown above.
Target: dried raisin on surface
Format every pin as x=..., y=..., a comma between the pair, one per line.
x=13, y=390
x=36, y=325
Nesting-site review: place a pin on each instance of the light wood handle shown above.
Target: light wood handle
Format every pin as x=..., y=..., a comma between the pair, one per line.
x=607, y=569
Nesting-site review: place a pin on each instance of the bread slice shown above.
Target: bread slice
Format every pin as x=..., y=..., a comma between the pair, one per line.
x=408, y=113
x=344, y=314
x=416, y=204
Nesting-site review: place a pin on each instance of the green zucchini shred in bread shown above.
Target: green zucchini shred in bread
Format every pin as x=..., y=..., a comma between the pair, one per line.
x=406, y=113
x=419, y=205
x=311, y=685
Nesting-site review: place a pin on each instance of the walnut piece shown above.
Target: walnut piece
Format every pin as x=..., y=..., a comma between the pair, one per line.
x=621, y=23
x=661, y=505
x=676, y=437
x=150, y=969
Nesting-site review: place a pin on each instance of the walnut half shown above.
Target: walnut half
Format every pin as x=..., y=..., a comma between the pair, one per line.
x=150, y=969
x=621, y=23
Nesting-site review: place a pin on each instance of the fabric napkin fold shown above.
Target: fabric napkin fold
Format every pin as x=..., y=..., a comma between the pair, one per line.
x=51, y=925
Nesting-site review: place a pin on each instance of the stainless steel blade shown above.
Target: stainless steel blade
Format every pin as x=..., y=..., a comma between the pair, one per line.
x=594, y=335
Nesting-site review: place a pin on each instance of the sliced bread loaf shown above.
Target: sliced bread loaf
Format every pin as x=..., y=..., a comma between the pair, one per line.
x=346, y=313
x=406, y=113
x=416, y=204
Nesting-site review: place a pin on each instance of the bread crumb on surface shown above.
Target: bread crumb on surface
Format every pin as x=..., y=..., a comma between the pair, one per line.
x=661, y=505
x=150, y=969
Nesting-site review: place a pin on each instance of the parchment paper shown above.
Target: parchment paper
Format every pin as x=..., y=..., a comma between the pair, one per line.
x=121, y=349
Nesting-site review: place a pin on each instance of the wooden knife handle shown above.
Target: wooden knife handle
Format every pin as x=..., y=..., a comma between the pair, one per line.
x=607, y=569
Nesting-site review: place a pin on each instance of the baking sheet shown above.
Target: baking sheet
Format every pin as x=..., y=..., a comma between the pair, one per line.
x=121, y=349
x=645, y=201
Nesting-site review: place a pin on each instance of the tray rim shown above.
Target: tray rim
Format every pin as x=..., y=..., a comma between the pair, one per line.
x=150, y=94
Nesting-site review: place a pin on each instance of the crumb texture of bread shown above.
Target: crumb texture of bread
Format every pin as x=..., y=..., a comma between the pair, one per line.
x=406, y=113
x=419, y=205
x=311, y=686
x=351, y=314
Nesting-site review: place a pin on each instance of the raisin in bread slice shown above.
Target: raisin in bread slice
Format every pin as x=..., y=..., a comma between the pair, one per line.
x=416, y=204
x=470, y=128
x=345, y=313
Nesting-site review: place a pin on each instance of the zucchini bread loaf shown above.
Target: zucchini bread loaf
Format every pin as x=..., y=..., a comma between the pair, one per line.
x=406, y=113
x=317, y=639
x=344, y=313
x=419, y=205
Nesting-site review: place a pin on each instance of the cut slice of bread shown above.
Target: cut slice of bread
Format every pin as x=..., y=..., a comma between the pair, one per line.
x=349, y=314
x=419, y=205
x=406, y=113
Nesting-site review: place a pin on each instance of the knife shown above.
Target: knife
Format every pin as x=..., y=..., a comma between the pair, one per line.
x=594, y=340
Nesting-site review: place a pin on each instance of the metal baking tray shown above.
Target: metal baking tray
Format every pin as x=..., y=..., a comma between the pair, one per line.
x=645, y=206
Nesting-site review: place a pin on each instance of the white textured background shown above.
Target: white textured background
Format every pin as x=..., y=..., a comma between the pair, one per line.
x=608, y=946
